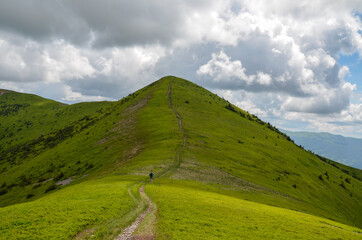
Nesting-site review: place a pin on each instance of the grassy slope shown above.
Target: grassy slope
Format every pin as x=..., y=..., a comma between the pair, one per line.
x=75, y=144
x=65, y=213
x=232, y=146
x=190, y=210
x=114, y=145
x=233, y=157
x=24, y=117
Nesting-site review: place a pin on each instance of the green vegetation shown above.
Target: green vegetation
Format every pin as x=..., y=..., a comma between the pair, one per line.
x=237, y=177
x=68, y=212
x=237, y=151
x=190, y=210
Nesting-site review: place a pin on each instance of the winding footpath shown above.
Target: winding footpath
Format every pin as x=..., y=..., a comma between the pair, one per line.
x=128, y=231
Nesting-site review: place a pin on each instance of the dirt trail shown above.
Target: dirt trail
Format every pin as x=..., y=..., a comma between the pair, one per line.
x=179, y=123
x=127, y=232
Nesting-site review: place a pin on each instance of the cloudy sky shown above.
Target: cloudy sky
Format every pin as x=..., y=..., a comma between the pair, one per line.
x=296, y=64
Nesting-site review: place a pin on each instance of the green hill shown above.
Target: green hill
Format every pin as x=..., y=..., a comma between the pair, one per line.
x=73, y=171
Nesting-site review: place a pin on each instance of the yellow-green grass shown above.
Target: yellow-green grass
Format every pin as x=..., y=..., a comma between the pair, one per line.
x=64, y=214
x=24, y=117
x=115, y=136
x=186, y=211
x=238, y=159
x=228, y=149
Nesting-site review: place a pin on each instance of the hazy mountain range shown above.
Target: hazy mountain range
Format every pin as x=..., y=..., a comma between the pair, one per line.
x=346, y=150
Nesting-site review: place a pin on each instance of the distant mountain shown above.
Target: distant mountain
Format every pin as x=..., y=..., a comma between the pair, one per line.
x=342, y=149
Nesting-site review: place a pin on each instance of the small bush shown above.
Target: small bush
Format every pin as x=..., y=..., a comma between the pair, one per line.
x=230, y=107
x=30, y=195
x=41, y=179
x=3, y=191
x=320, y=177
x=24, y=180
x=90, y=166
x=294, y=186
x=60, y=176
x=36, y=186
x=51, y=188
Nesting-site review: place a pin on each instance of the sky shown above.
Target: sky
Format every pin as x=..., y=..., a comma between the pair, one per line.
x=295, y=64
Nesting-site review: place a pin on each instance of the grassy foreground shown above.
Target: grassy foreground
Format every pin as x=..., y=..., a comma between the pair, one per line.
x=66, y=213
x=187, y=210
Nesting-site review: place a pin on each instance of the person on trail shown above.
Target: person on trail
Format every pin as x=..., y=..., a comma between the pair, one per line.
x=151, y=176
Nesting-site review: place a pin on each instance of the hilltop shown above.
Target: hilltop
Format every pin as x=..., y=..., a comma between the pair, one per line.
x=221, y=173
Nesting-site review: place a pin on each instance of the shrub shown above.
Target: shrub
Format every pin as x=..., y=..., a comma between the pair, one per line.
x=30, y=195
x=51, y=188
x=24, y=180
x=60, y=176
x=342, y=185
x=230, y=107
x=3, y=191
x=320, y=177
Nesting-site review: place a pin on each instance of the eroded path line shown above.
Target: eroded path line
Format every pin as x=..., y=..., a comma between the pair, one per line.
x=178, y=157
x=127, y=232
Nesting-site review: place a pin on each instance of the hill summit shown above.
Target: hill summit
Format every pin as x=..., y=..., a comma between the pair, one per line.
x=81, y=170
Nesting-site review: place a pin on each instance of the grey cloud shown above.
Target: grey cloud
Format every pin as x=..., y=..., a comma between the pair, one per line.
x=42, y=20
x=101, y=23
x=110, y=86
x=100, y=86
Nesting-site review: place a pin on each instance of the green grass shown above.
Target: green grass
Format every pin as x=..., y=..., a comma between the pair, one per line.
x=232, y=163
x=228, y=149
x=64, y=214
x=188, y=211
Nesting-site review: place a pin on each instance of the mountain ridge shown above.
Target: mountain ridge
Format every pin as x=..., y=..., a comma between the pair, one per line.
x=228, y=152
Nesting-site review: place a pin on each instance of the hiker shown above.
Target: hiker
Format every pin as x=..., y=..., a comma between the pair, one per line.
x=151, y=176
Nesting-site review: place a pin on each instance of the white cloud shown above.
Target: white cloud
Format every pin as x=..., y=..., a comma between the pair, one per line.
x=71, y=96
x=221, y=68
x=31, y=62
x=281, y=56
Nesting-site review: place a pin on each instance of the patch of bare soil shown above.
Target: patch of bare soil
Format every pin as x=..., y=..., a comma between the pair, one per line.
x=66, y=181
x=2, y=92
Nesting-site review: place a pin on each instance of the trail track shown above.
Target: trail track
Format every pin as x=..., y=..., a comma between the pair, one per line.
x=128, y=231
